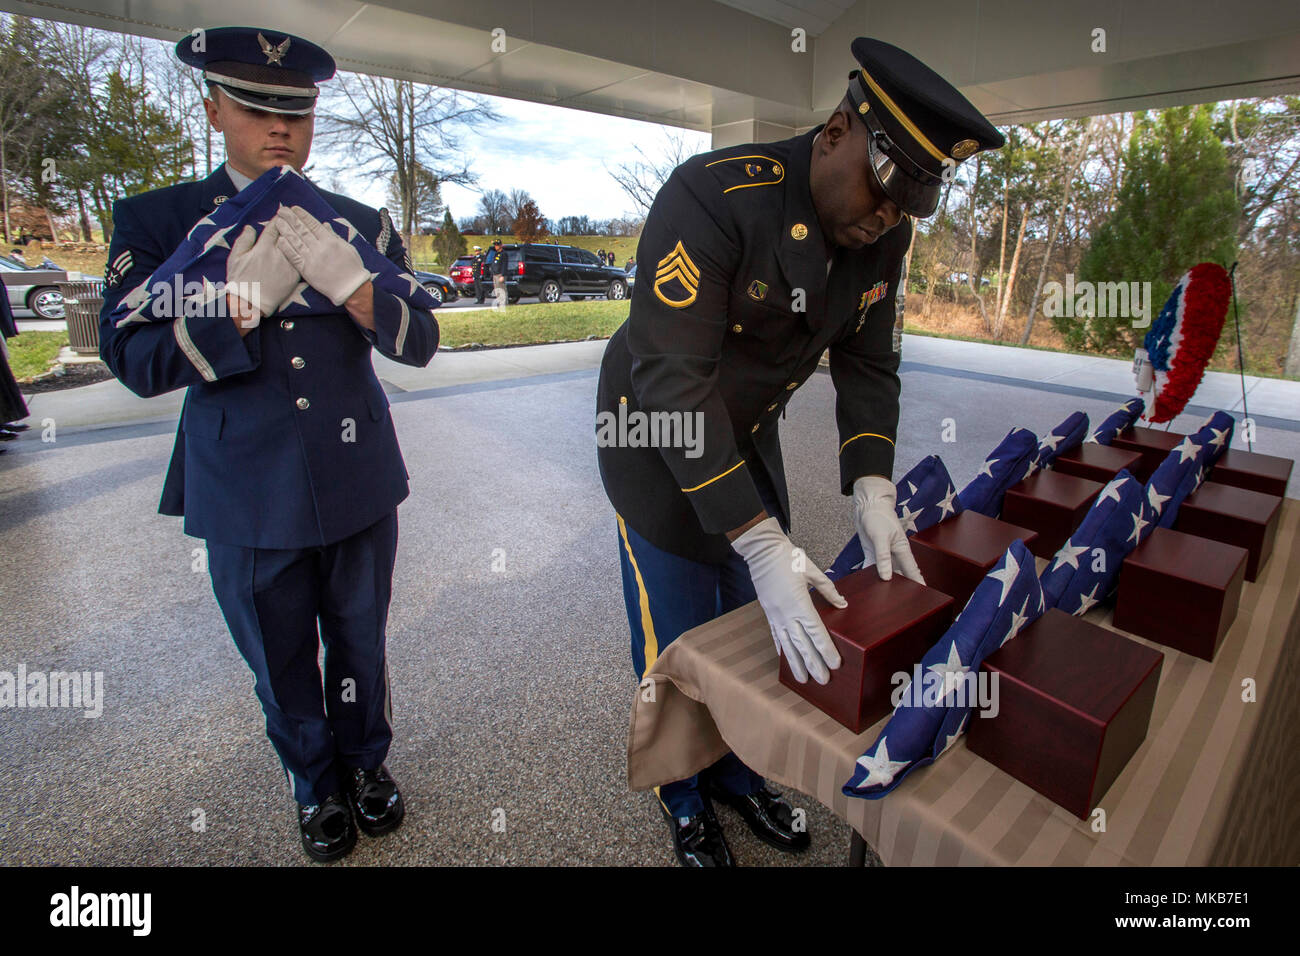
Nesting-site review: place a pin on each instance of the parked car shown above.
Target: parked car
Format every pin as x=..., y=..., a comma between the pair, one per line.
x=551, y=271
x=462, y=274
x=33, y=290
x=438, y=286
x=631, y=276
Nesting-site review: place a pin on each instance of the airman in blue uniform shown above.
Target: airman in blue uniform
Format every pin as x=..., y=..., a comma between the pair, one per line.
x=286, y=460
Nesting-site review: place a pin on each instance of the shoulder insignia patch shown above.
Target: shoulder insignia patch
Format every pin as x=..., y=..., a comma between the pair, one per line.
x=116, y=270
x=385, y=231
x=677, y=279
x=740, y=172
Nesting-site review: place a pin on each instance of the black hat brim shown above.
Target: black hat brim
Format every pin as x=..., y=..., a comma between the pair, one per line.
x=916, y=198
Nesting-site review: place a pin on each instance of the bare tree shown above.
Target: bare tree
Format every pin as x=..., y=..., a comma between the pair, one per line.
x=494, y=210
x=396, y=127
x=642, y=179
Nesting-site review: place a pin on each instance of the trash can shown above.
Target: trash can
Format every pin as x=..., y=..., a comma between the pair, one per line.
x=81, y=304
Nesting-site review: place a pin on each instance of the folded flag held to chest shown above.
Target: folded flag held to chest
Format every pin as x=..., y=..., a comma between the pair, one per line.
x=193, y=280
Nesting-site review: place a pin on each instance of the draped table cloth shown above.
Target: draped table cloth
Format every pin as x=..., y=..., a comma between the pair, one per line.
x=1216, y=782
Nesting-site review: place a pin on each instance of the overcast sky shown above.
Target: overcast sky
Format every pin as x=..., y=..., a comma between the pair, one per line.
x=560, y=156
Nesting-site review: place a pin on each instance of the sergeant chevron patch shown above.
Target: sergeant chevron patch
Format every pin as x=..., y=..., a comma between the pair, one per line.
x=677, y=267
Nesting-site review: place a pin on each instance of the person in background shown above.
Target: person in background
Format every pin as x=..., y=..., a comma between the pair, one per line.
x=477, y=265
x=498, y=268
x=12, y=406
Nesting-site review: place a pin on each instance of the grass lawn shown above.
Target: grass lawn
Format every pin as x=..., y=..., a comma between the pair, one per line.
x=525, y=324
x=31, y=353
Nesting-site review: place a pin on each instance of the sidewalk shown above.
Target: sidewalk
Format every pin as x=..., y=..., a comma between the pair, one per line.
x=109, y=403
x=1273, y=397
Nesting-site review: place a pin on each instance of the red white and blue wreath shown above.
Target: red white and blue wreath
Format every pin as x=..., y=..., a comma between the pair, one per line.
x=1182, y=339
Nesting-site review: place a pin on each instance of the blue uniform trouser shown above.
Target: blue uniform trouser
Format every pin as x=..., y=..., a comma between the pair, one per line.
x=280, y=606
x=667, y=595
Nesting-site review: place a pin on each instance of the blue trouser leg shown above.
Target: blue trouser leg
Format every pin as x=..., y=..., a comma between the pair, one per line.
x=272, y=600
x=667, y=595
x=356, y=584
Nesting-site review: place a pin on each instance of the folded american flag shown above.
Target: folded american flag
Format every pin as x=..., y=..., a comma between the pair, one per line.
x=1184, y=468
x=935, y=705
x=924, y=497
x=192, y=281
x=1011, y=462
x=1069, y=434
x=1085, y=570
x=1117, y=421
x=1218, y=429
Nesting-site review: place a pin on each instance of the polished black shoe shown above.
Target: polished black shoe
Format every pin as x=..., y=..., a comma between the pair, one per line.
x=698, y=840
x=7, y=436
x=376, y=801
x=768, y=815
x=15, y=427
x=327, y=829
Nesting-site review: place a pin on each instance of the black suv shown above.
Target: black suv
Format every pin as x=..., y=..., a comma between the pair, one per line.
x=548, y=272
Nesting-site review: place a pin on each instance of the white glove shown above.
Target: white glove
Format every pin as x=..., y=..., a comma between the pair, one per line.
x=327, y=261
x=260, y=271
x=781, y=575
x=884, y=542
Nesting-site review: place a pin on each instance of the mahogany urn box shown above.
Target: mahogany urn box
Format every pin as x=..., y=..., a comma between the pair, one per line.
x=1232, y=515
x=885, y=630
x=1154, y=445
x=955, y=554
x=1051, y=503
x=1267, y=474
x=1180, y=590
x=1097, y=462
x=1073, y=704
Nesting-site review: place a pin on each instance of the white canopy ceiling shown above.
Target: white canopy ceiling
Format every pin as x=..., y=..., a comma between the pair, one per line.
x=703, y=64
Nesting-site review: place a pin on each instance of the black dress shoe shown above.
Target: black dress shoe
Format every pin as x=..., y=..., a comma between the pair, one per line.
x=7, y=436
x=768, y=815
x=327, y=829
x=15, y=427
x=698, y=840
x=376, y=801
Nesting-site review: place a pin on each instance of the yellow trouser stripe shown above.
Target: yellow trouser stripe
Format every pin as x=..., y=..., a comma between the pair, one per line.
x=716, y=477
x=647, y=625
x=867, y=435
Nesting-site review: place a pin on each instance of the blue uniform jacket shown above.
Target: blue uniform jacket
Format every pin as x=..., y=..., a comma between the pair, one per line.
x=285, y=439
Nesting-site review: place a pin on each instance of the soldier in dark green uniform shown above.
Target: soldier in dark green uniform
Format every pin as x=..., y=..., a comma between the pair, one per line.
x=758, y=258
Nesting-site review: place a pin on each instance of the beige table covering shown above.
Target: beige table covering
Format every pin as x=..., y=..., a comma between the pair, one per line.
x=1217, y=780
